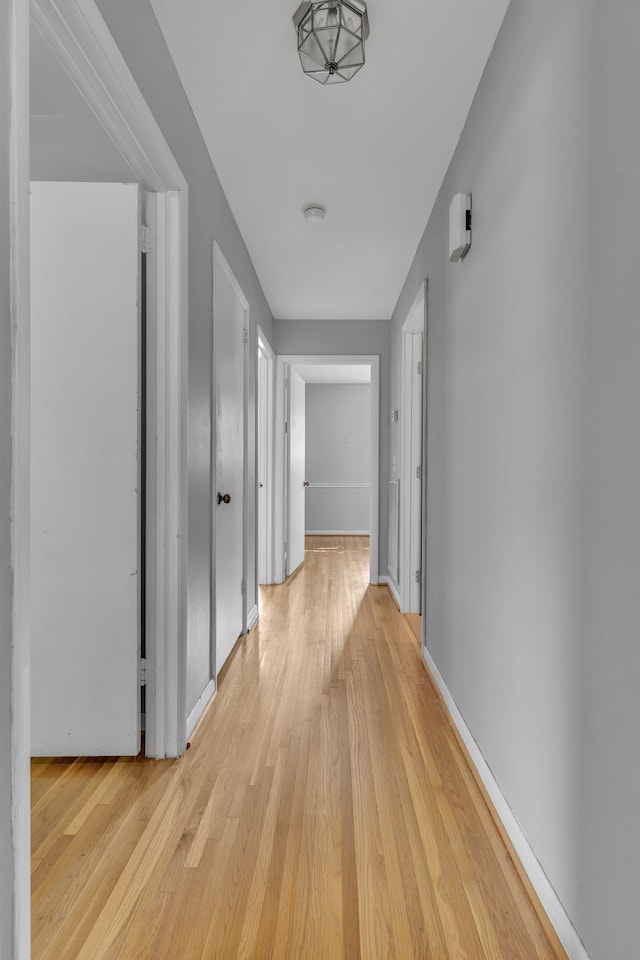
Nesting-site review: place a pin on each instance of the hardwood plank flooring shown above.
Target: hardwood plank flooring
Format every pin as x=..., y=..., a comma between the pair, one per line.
x=325, y=809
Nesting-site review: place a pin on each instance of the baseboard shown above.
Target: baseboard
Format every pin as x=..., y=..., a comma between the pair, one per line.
x=252, y=617
x=549, y=906
x=337, y=533
x=392, y=587
x=203, y=702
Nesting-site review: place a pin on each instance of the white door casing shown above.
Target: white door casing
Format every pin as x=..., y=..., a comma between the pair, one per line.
x=263, y=478
x=425, y=464
x=415, y=474
x=85, y=469
x=412, y=476
x=411, y=460
x=265, y=458
x=229, y=436
x=296, y=473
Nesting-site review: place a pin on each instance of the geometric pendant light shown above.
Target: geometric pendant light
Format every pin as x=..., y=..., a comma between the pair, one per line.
x=331, y=36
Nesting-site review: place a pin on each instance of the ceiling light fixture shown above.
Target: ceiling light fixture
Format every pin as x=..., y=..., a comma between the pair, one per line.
x=314, y=213
x=331, y=36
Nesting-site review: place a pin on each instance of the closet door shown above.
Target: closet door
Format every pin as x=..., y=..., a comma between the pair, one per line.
x=85, y=507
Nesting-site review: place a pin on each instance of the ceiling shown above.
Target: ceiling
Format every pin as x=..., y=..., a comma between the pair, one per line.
x=373, y=151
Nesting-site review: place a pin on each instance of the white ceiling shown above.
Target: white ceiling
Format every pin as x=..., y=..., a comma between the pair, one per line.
x=374, y=151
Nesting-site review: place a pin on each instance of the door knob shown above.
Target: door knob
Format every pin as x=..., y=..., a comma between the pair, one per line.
x=261, y=484
x=224, y=498
x=306, y=483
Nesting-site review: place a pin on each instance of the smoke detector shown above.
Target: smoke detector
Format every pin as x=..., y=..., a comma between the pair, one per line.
x=314, y=213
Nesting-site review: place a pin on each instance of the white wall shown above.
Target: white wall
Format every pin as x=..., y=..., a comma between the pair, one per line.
x=142, y=45
x=338, y=452
x=347, y=337
x=533, y=599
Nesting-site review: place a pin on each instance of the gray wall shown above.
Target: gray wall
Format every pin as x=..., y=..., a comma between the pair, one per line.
x=141, y=43
x=355, y=337
x=67, y=141
x=337, y=413
x=533, y=598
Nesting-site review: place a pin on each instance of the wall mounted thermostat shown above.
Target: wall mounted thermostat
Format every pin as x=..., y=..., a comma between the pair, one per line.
x=459, y=226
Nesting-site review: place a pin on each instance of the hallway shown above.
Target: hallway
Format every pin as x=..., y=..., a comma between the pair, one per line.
x=324, y=809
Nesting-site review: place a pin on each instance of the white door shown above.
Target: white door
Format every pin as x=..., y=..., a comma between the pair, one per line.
x=263, y=478
x=84, y=469
x=230, y=321
x=296, y=434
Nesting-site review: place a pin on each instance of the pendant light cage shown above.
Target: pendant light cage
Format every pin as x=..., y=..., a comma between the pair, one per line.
x=331, y=38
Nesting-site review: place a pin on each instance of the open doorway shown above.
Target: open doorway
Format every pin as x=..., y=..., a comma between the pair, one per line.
x=89, y=122
x=306, y=502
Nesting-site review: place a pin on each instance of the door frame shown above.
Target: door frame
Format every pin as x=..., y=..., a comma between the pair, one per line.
x=289, y=487
x=280, y=505
x=268, y=440
x=413, y=388
x=81, y=41
x=18, y=764
x=425, y=462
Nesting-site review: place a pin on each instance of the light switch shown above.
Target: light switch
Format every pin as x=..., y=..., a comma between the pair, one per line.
x=347, y=440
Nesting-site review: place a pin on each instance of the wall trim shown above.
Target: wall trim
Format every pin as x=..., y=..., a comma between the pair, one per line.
x=252, y=617
x=393, y=588
x=545, y=900
x=347, y=485
x=203, y=701
x=336, y=533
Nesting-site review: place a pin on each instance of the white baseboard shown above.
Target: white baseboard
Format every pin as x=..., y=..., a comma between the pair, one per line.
x=336, y=533
x=390, y=582
x=252, y=617
x=549, y=899
x=203, y=702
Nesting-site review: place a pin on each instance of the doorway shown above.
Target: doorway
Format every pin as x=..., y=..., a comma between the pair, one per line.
x=90, y=68
x=289, y=508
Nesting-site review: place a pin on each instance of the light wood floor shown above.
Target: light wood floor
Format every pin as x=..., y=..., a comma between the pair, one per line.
x=325, y=809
